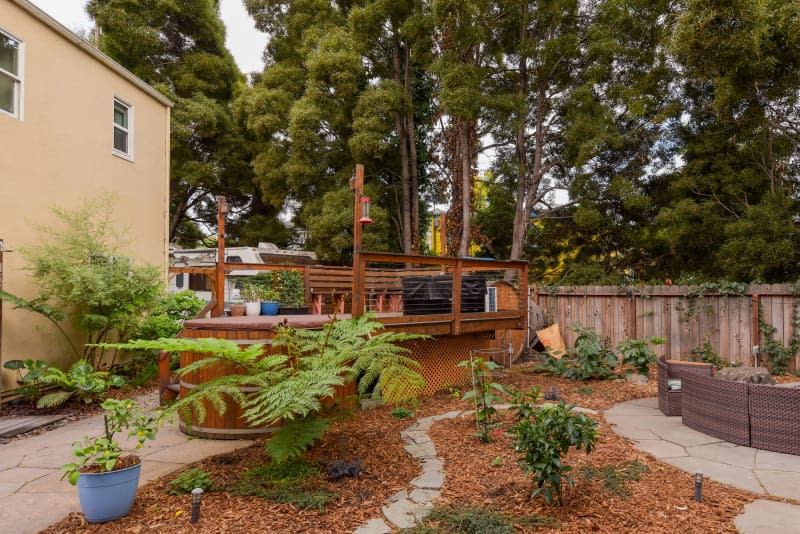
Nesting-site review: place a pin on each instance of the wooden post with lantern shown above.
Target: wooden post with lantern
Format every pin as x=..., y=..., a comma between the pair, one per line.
x=360, y=218
x=219, y=275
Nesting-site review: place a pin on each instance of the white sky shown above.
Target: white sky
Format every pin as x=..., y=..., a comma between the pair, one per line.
x=243, y=40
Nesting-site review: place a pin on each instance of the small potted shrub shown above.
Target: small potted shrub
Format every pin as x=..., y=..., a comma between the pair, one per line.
x=237, y=308
x=252, y=299
x=269, y=301
x=292, y=293
x=107, y=475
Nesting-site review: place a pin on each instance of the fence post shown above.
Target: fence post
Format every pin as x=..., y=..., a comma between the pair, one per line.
x=756, y=328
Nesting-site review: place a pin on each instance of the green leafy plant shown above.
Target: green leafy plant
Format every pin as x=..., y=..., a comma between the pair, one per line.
x=484, y=394
x=614, y=477
x=293, y=382
x=83, y=276
x=189, y=480
x=778, y=355
x=30, y=383
x=103, y=452
x=497, y=461
x=588, y=358
x=463, y=520
x=402, y=412
x=292, y=288
x=81, y=381
x=543, y=434
x=705, y=353
x=639, y=353
x=268, y=295
x=249, y=292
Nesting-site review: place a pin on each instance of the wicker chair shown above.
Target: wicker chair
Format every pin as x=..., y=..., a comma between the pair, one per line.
x=669, y=402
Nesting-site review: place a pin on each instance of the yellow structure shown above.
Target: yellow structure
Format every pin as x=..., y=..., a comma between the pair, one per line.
x=73, y=124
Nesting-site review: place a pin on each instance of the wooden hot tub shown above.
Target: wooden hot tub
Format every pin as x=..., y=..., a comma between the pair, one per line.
x=244, y=331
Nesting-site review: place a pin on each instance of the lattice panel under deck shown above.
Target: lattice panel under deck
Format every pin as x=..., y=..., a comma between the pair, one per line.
x=440, y=356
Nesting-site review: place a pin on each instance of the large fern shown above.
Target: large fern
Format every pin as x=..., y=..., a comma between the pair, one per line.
x=290, y=386
x=294, y=437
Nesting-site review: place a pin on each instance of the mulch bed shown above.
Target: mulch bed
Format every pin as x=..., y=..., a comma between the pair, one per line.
x=660, y=501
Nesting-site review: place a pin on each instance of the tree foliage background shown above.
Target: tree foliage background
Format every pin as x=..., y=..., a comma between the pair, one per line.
x=605, y=141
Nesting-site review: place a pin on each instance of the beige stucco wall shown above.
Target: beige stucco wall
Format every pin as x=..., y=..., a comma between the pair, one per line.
x=60, y=154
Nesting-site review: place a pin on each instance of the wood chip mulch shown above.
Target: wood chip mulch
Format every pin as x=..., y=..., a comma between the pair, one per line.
x=660, y=501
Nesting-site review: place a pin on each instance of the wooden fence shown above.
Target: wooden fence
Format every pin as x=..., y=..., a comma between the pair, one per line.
x=678, y=313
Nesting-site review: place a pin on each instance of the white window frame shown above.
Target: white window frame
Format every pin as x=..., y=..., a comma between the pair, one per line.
x=19, y=78
x=129, y=130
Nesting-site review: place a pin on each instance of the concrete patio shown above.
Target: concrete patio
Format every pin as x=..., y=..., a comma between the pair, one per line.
x=32, y=496
x=761, y=472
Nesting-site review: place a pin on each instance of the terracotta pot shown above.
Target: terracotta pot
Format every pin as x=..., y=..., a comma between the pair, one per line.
x=237, y=310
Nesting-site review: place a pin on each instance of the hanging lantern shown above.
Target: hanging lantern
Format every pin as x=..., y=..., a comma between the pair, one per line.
x=365, y=211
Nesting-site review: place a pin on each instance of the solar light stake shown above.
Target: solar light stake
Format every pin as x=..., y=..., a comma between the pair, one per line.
x=698, y=487
x=197, y=493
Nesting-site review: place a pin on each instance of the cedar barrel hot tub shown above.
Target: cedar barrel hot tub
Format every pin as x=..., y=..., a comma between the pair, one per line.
x=244, y=331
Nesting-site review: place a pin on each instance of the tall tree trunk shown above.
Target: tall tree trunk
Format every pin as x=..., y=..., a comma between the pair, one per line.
x=412, y=148
x=521, y=211
x=402, y=139
x=466, y=189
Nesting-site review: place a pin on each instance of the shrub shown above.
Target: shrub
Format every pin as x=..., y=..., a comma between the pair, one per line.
x=82, y=275
x=189, y=480
x=639, y=353
x=705, y=353
x=401, y=413
x=30, y=384
x=81, y=381
x=543, y=434
x=281, y=482
x=589, y=358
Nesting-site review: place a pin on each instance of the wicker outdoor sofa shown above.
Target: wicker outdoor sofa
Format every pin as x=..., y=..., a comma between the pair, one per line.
x=752, y=415
x=669, y=400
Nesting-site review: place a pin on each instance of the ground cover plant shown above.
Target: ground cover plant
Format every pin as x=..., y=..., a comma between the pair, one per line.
x=661, y=500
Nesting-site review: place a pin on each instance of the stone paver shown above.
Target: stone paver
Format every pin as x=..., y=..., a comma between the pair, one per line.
x=761, y=472
x=769, y=517
x=32, y=494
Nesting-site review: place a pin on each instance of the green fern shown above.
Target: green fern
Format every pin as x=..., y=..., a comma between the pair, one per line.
x=291, y=386
x=57, y=398
x=294, y=437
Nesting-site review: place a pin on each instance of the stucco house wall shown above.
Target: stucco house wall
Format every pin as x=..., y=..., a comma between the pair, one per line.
x=58, y=152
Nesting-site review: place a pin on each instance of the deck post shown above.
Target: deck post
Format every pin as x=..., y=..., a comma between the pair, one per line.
x=457, y=296
x=358, y=268
x=219, y=275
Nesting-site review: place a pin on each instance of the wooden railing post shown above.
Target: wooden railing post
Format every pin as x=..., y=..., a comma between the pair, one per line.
x=457, y=296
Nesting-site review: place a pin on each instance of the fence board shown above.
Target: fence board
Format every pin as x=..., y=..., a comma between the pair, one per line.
x=666, y=311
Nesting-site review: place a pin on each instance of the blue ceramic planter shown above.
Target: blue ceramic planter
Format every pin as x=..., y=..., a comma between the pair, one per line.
x=108, y=496
x=269, y=307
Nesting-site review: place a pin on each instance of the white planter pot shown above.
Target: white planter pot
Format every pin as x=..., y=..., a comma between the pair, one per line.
x=252, y=308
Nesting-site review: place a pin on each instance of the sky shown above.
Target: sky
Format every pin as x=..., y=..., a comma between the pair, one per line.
x=243, y=40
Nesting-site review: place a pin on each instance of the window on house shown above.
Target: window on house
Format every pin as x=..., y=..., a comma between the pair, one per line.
x=11, y=62
x=199, y=282
x=179, y=280
x=123, y=128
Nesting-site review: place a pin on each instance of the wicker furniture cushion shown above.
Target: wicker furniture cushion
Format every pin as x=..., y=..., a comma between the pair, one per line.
x=716, y=407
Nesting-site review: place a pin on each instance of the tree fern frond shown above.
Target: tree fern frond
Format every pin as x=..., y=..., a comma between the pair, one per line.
x=57, y=398
x=294, y=437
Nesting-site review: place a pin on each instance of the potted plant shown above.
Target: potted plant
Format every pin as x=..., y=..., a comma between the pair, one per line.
x=106, y=478
x=237, y=308
x=293, y=293
x=269, y=301
x=252, y=300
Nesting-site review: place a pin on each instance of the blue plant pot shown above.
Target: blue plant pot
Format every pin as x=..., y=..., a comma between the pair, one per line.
x=108, y=496
x=269, y=307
